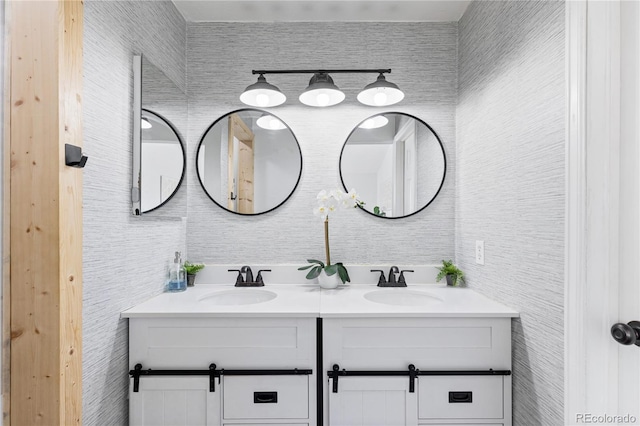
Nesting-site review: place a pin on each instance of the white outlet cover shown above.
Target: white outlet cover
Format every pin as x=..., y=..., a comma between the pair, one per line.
x=480, y=252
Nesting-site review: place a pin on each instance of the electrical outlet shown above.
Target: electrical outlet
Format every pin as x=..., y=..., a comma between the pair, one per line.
x=480, y=252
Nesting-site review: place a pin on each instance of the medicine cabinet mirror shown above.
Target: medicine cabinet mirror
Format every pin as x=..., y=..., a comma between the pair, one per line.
x=249, y=162
x=158, y=151
x=396, y=162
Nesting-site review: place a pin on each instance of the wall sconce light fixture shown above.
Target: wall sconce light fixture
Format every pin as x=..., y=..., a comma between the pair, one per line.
x=322, y=91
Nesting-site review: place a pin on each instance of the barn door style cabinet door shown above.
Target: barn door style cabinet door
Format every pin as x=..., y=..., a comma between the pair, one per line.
x=174, y=401
x=373, y=401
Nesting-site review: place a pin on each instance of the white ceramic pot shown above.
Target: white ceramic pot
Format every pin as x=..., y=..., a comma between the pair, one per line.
x=329, y=281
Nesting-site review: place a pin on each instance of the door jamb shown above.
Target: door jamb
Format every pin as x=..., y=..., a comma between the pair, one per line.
x=592, y=205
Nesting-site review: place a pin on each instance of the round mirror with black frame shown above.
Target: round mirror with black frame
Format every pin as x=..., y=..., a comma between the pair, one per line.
x=396, y=162
x=249, y=162
x=163, y=161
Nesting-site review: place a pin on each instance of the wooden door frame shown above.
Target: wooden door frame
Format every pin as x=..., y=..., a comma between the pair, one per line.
x=6, y=214
x=237, y=129
x=42, y=214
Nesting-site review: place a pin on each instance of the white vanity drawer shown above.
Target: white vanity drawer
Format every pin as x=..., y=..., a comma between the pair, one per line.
x=266, y=397
x=428, y=343
x=461, y=397
x=263, y=343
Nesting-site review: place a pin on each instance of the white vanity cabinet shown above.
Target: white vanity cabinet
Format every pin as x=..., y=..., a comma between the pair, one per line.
x=444, y=361
x=463, y=369
x=264, y=373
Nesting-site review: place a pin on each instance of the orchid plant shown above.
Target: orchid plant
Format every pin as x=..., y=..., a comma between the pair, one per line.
x=329, y=203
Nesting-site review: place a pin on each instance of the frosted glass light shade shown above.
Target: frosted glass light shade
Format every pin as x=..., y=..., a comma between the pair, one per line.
x=321, y=92
x=380, y=93
x=374, y=122
x=269, y=122
x=262, y=94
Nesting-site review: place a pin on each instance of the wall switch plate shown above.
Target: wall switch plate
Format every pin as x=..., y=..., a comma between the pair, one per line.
x=480, y=252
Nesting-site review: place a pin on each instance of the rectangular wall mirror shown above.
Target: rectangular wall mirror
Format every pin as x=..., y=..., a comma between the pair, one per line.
x=159, y=113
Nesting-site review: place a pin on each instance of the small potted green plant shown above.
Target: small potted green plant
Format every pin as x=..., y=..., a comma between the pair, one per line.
x=452, y=273
x=192, y=269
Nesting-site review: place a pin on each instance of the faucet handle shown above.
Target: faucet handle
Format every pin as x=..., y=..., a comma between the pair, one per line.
x=401, y=279
x=239, y=279
x=259, y=280
x=381, y=279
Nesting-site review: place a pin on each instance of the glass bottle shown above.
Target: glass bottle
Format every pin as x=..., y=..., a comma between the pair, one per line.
x=177, y=276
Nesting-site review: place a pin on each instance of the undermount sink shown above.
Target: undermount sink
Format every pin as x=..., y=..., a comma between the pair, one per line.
x=238, y=297
x=401, y=297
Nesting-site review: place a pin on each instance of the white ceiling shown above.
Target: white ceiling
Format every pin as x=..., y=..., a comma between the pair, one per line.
x=321, y=10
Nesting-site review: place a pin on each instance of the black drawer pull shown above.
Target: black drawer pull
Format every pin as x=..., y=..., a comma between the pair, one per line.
x=460, y=397
x=265, y=397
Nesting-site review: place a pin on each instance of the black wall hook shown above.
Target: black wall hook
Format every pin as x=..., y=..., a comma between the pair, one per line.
x=73, y=156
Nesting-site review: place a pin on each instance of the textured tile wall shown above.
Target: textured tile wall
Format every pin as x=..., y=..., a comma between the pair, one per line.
x=509, y=194
x=124, y=257
x=510, y=184
x=423, y=58
x=429, y=164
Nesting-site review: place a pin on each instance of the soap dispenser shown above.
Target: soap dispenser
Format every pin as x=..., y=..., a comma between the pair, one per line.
x=177, y=275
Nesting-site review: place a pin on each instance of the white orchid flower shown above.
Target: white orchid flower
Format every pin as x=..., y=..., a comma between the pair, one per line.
x=346, y=203
x=334, y=200
x=337, y=194
x=321, y=211
x=322, y=196
x=352, y=197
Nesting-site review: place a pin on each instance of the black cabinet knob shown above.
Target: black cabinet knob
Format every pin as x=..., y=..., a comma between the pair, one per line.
x=626, y=334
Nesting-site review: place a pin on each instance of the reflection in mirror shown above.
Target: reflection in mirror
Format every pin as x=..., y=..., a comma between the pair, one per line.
x=249, y=162
x=162, y=160
x=158, y=151
x=396, y=162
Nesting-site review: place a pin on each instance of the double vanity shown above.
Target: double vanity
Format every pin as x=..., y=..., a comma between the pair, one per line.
x=293, y=354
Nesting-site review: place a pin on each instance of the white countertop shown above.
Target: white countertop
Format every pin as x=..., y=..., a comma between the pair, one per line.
x=308, y=300
x=291, y=301
x=350, y=302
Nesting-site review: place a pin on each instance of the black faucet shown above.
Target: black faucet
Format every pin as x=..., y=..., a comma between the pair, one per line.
x=401, y=282
x=381, y=280
x=247, y=280
x=248, y=274
x=392, y=274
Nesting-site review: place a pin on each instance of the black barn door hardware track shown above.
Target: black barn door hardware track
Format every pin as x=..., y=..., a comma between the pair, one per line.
x=411, y=371
x=212, y=372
